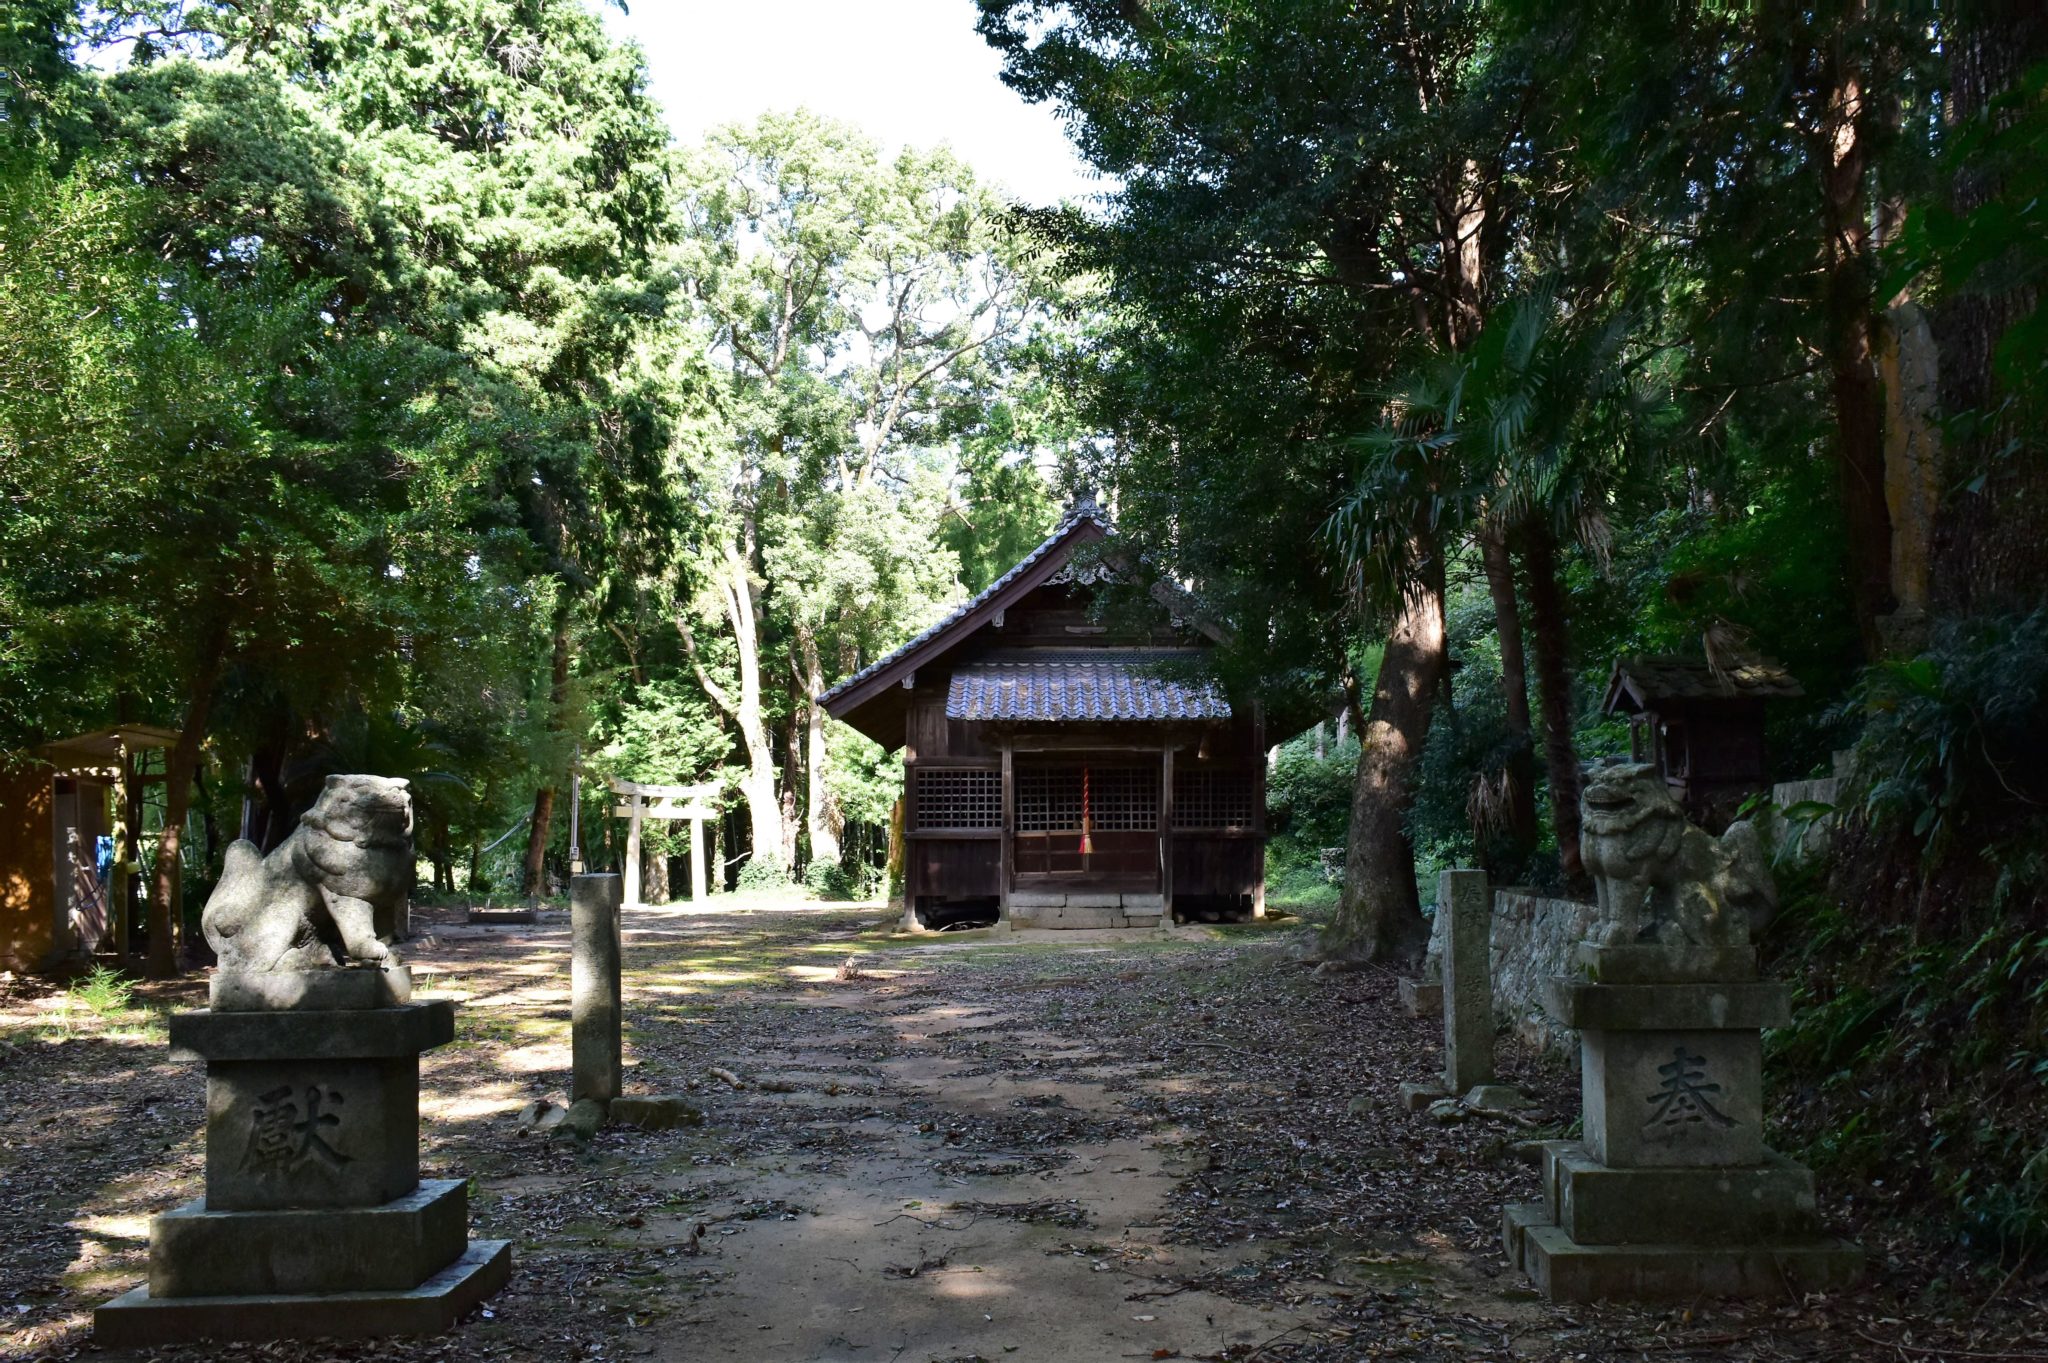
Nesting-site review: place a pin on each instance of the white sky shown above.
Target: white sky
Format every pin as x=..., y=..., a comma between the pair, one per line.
x=906, y=72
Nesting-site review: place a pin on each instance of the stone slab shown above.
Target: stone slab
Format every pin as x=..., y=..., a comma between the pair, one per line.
x=502, y=917
x=1724, y=1006
x=1495, y=1098
x=1086, y=916
x=289, y=1134
x=358, y=1034
x=240, y=991
x=1652, y=964
x=1515, y=1220
x=1143, y=903
x=1594, y=1204
x=1420, y=998
x=1565, y=1271
x=1663, y=1099
x=1138, y=919
x=198, y=1252
x=1417, y=1096
x=138, y=1320
x=659, y=1113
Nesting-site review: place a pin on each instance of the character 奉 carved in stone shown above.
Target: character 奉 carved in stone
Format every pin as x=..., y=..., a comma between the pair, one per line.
x=329, y=891
x=1659, y=879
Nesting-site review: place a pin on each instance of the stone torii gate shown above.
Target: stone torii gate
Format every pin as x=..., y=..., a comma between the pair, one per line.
x=641, y=801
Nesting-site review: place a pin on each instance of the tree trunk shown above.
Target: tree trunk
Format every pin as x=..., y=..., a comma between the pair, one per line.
x=1379, y=917
x=533, y=875
x=792, y=769
x=1520, y=772
x=824, y=819
x=1853, y=380
x=757, y=783
x=180, y=764
x=1989, y=554
x=1551, y=633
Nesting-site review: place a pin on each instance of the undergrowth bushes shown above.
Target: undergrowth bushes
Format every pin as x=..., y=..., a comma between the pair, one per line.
x=1919, y=1050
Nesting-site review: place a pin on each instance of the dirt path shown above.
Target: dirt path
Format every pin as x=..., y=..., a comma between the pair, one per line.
x=1101, y=1149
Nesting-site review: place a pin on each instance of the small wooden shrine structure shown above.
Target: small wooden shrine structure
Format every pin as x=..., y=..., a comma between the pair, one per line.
x=1701, y=726
x=638, y=801
x=58, y=904
x=1059, y=771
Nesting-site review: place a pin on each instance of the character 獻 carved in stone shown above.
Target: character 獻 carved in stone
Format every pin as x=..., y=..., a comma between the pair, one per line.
x=1660, y=880
x=328, y=894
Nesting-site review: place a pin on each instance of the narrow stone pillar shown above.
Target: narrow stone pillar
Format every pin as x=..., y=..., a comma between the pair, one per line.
x=698, y=889
x=632, y=891
x=596, y=1004
x=1468, y=979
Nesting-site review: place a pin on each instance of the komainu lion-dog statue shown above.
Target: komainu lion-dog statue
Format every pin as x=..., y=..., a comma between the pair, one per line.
x=328, y=893
x=1660, y=880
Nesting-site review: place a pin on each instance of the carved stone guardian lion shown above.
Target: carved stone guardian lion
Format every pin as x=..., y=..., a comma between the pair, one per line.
x=327, y=895
x=1662, y=881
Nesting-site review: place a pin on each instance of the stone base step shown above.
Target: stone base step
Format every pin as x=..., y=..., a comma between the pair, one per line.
x=194, y=1252
x=1565, y=1271
x=1042, y=909
x=138, y=1320
x=1594, y=1204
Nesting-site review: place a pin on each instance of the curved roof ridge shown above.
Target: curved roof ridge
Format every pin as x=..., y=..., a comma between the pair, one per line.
x=1085, y=508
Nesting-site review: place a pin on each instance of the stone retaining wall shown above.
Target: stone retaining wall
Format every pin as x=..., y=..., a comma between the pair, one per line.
x=1534, y=938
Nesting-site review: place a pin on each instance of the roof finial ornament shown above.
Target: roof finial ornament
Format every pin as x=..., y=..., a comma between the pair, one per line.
x=1084, y=503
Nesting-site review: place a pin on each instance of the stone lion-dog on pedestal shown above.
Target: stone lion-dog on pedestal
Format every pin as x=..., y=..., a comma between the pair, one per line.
x=328, y=893
x=1660, y=880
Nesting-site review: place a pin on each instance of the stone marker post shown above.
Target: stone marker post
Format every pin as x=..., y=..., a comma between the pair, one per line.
x=1468, y=979
x=1672, y=1194
x=596, y=1002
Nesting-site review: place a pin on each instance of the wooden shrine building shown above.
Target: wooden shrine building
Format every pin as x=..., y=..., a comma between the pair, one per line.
x=1701, y=726
x=70, y=816
x=1063, y=772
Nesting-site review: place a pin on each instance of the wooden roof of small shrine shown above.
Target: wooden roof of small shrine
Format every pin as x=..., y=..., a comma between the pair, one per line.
x=1646, y=682
x=1102, y=686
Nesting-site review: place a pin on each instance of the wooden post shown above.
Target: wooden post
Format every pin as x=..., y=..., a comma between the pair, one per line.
x=1166, y=833
x=1009, y=839
x=632, y=867
x=125, y=850
x=1259, y=807
x=698, y=890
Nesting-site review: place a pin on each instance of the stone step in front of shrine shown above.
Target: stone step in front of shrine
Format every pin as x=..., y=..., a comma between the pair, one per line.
x=1080, y=909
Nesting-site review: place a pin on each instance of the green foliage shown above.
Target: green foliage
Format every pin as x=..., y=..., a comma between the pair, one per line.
x=763, y=873
x=1946, y=1037
x=102, y=991
x=1953, y=746
x=828, y=880
x=1308, y=798
x=1997, y=247
x=663, y=732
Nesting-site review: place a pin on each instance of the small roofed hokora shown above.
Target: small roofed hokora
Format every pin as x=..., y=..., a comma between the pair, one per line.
x=1659, y=879
x=328, y=894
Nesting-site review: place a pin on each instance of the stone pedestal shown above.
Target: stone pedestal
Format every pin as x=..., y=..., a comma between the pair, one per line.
x=1672, y=1194
x=596, y=993
x=315, y=1220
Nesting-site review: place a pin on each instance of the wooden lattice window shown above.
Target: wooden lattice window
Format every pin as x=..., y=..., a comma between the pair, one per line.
x=959, y=797
x=1118, y=799
x=1213, y=800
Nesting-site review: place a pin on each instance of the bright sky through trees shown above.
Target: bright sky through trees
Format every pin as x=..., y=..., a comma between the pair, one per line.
x=906, y=72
